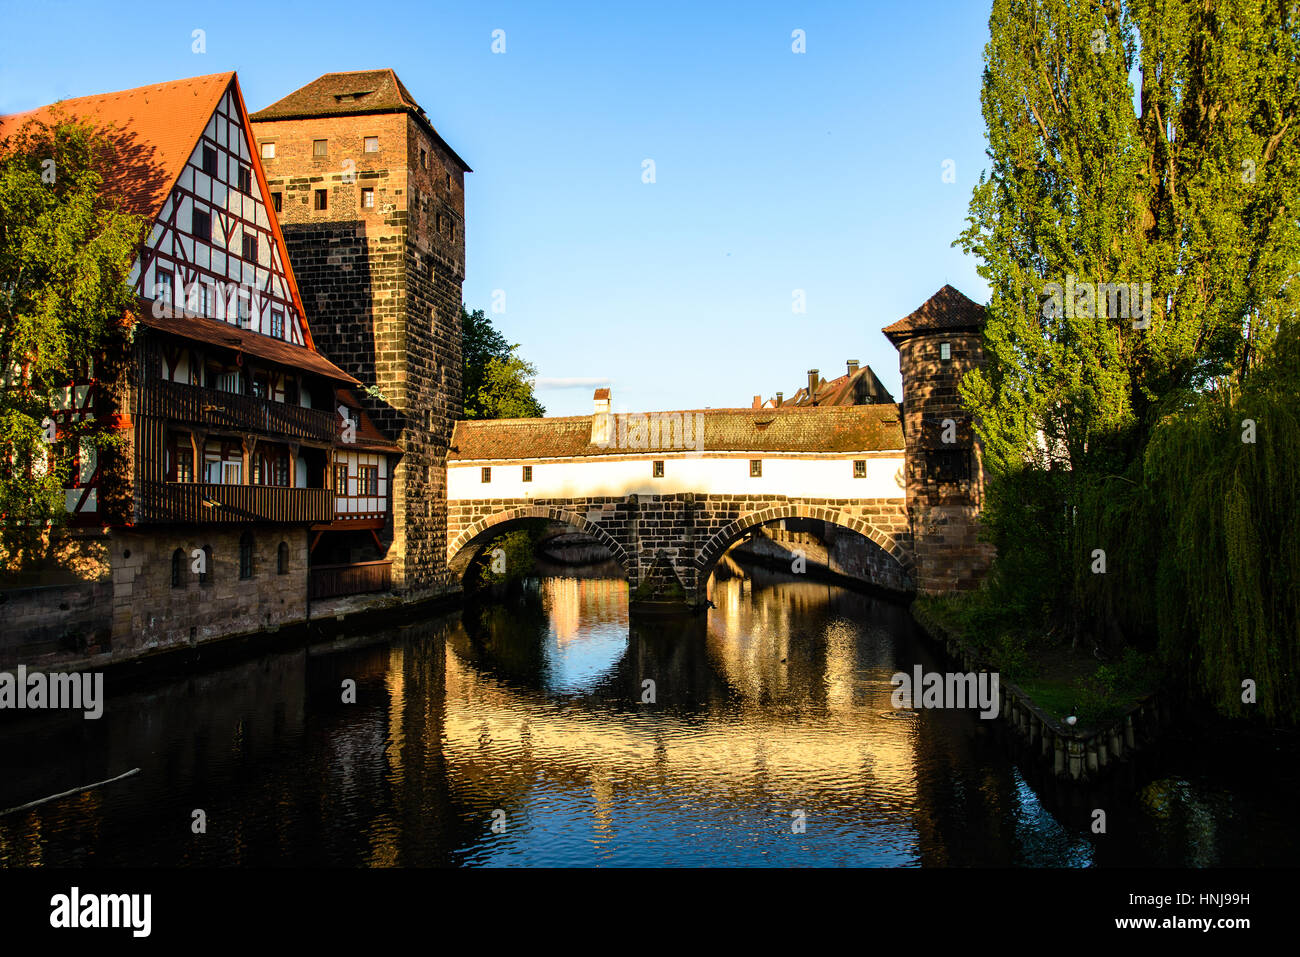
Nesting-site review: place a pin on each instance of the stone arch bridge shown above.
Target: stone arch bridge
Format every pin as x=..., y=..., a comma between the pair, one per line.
x=668, y=513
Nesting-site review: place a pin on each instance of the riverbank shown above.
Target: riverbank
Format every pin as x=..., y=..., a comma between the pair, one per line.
x=1041, y=699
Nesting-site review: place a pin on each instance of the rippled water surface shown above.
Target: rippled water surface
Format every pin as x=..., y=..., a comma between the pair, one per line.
x=542, y=729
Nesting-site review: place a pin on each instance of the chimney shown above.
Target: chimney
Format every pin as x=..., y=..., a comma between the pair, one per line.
x=853, y=367
x=758, y=402
x=602, y=423
x=812, y=386
x=780, y=397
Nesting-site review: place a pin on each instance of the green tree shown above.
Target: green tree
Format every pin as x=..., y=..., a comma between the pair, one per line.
x=1190, y=182
x=498, y=383
x=66, y=248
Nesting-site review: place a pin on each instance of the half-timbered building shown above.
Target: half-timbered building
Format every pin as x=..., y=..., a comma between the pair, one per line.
x=245, y=446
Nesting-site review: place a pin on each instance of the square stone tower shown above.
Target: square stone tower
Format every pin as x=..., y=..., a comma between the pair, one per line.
x=371, y=201
x=937, y=344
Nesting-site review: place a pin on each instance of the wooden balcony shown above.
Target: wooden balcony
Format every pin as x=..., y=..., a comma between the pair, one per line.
x=238, y=413
x=357, y=578
x=190, y=503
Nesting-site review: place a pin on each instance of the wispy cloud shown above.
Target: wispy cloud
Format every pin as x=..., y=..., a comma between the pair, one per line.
x=569, y=382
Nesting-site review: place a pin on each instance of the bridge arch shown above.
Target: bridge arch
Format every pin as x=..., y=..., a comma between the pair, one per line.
x=466, y=545
x=889, y=543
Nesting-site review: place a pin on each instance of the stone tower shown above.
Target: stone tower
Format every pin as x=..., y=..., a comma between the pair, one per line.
x=371, y=201
x=936, y=345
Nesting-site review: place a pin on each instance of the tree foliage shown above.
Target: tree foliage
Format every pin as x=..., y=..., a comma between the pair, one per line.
x=1102, y=435
x=66, y=247
x=498, y=383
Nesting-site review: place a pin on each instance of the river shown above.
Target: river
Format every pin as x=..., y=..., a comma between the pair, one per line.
x=541, y=728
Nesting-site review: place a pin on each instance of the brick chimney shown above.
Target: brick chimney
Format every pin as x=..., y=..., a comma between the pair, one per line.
x=758, y=402
x=853, y=367
x=812, y=386
x=602, y=422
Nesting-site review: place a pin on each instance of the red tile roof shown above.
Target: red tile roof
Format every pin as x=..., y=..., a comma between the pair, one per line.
x=947, y=309
x=861, y=428
x=368, y=435
x=155, y=127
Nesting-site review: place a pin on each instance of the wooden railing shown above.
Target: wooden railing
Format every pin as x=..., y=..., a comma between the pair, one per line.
x=357, y=578
x=202, y=503
x=228, y=410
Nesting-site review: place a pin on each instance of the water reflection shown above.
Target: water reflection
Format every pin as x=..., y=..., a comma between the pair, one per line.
x=517, y=732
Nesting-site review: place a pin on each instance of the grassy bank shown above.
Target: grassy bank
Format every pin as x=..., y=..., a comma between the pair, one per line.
x=1062, y=679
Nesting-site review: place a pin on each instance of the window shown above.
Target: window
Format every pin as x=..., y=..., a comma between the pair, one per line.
x=229, y=382
x=209, y=161
x=180, y=459
x=755, y=468
x=948, y=465
x=368, y=480
x=282, y=559
x=246, y=555
x=245, y=180
x=487, y=473
x=368, y=197
x=268, y=151
x=290, y=390
x=277, y=323
x=204, y=300
x=178, y=568
x=372, y=144
x=242, y=311
x=448, y=177
x=261, y=385
x=201, y=225
x=250, y=247
x=207, y=571
x=945, y=351
x=658, y=470
x=321, y=199
x=318, y=149
x=341, y=479
x=528, y=473
x=424, y=159
x=859, y=468
x=232, y=473
x=162, y=285
x=276, y=201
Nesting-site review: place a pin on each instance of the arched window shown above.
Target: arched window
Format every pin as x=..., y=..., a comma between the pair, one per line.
x=178, y=568
x=206, y=566
x=282, y=559
x=246, y=555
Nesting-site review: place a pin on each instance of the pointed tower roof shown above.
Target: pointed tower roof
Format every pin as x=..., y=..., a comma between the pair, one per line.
x=356, y=93
x=155, y=129
x=946, y=311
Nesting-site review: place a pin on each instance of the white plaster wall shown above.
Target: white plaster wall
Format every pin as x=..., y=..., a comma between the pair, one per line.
x=813, y=478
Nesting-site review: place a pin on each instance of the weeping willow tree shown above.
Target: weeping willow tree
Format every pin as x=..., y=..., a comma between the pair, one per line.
x=1135, y=145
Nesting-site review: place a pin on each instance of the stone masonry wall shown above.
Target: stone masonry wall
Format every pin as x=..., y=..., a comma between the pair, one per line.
x=150, y=613
x=944, y=516
x=382, y=290
x=690, y=532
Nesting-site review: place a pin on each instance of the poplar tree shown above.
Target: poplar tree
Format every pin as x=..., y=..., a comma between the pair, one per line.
x=1142, y=141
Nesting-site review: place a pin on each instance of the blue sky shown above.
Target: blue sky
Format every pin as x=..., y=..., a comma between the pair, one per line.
x=774, y=171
